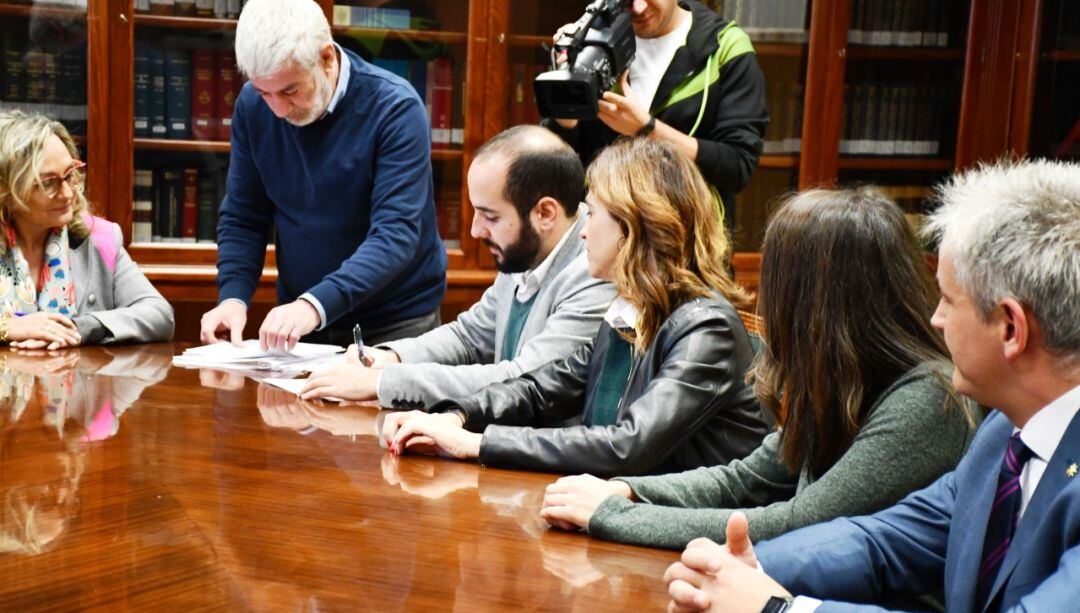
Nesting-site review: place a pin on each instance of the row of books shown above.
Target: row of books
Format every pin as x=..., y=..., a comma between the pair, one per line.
x=372, y=17
x=46, y=81
x=784, y=134
x=435, y=81
x=182, y=93
x=448, y=214
x=178, y=205
x=901, y=23
x=768, y=20
x=892, y=119
x=222, y=9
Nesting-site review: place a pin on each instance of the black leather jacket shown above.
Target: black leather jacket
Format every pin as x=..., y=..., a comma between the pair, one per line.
x=686, y=404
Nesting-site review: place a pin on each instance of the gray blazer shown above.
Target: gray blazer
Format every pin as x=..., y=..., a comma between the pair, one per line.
x=458, y=359
x=117, y=305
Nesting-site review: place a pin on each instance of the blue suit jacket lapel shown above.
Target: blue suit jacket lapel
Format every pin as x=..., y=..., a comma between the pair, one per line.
x=972, y=512
x=1053, y=479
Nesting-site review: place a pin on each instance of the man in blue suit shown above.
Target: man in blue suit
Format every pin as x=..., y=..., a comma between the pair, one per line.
x=1002, y=531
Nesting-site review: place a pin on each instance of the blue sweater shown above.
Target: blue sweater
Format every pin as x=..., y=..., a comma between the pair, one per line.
x=350, y=197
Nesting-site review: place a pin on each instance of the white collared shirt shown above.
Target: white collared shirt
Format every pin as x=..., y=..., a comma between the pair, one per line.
x=1042, y=434
x=344, y=69
x=622, y=315
x=529, y=282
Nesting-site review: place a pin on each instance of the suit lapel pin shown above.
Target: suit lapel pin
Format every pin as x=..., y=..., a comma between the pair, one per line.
x=1070, y=472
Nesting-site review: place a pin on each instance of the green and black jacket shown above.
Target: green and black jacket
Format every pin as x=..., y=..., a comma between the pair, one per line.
x=719, y=60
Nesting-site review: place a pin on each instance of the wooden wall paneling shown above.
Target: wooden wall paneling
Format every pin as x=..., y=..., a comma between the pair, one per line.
x=120, y=110
x=97, y=97
x=497, y=82
x=1027, y=70
x=823, y=106
x=989, y=73
x=476, y=101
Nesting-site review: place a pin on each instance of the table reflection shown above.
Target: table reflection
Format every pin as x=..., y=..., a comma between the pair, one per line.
x=53, y=407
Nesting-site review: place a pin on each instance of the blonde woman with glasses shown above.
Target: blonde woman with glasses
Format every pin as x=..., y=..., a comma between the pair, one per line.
x=65, y=279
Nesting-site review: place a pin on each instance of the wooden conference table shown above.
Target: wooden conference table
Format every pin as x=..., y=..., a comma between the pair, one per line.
x=126, y=483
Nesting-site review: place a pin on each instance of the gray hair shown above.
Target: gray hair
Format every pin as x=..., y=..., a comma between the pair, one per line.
x=1012, y=230
x=273, y=34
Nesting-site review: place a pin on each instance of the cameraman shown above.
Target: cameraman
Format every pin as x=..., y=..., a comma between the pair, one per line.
x=678, y=42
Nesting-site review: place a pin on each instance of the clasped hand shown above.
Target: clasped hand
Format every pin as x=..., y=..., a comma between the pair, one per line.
x=43, y=330
x=439, y=433
x=712, y=577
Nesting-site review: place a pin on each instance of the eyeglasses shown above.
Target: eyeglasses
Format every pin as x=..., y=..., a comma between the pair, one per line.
x=75, y=177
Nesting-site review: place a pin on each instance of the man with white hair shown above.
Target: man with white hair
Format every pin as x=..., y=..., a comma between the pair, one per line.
x=334, y=154
x=1002, y=531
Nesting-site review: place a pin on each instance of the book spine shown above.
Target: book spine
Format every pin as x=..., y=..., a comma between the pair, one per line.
x=232, y=9
x=190, y=214
x=158, y=127
x=142, y=69
x=440, y=93
x=221, y=10
x=457, y=106
x=178, y=93
x=162, y=7
x=184, y=8
x=206, y=223
x=204, y=8
x=142, y=6
x=418, y=78
x=203, y=94
x=143, y=205
x=225, y=93
x=159, y=221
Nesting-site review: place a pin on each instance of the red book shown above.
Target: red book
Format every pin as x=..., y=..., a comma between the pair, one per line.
x=440, y=96
x=191, y=205
x=228, y=86
x=203, y=119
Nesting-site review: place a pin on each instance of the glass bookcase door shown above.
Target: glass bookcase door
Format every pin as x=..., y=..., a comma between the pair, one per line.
x=44, y=64
x=902, y=91
x=1055, y=117
x=424, y=42
x=185, y=82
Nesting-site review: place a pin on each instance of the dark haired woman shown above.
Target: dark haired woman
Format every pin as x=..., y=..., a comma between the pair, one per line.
x=852, y=366
x=663, y=385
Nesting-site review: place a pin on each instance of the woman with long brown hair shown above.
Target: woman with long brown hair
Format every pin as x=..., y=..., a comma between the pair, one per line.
x=852, y=367
x=663, y=384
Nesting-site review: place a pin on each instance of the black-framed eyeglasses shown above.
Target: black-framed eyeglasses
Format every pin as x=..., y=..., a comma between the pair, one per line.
x=75, y=177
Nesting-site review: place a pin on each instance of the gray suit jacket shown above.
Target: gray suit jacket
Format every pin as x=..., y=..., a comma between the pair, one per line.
x=118, y=305
x=458, y=359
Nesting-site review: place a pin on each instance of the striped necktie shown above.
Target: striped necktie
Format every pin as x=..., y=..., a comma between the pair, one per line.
x=1004, y=515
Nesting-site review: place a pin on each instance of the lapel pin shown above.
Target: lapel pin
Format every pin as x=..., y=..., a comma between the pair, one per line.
x=1070, y=472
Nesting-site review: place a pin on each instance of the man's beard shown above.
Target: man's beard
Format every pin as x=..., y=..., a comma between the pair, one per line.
x=324, y=91
x=520, y=255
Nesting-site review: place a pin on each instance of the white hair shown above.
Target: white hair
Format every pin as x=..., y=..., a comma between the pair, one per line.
x=1012, y=230
x=271, y=35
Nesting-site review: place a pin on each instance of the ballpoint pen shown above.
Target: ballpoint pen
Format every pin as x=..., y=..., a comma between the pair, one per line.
x=359, y=341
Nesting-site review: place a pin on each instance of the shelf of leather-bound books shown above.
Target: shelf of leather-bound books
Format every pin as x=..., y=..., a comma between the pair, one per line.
x=917, y=54
x=184, y=23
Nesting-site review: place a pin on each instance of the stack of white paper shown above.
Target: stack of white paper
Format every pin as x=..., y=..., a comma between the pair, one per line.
x=304, y=356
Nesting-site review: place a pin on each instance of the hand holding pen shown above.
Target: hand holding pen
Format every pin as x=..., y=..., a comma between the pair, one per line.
x=361, y=352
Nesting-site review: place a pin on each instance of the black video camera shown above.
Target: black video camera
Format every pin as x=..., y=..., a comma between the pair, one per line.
x=599, y=47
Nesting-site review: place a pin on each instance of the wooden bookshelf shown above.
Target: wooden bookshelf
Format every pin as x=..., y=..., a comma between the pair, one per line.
x=894, y=163
x=914, y=54
x=407, y=35
x=1063, y=55
x=193, y=146
x=48, y=12
x=221, y=146
x=184, y=23
x=779, y=161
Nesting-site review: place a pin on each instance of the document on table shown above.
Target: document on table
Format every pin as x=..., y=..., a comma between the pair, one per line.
x=250, y=356
x=294, y=386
